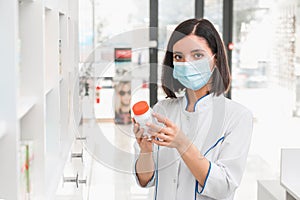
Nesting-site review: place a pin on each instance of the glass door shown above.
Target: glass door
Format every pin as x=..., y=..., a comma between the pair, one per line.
x=264, y=80
x=169, y=16
x=114, y=76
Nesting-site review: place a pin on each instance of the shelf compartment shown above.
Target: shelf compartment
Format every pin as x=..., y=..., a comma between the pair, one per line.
x=25, y=105
x=51, y=48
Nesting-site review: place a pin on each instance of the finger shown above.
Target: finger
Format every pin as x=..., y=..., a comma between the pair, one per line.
x=163, y=119
x=136, y=128
x=139, y=134
x=133, y=120
x=159, y=135
x=153, y=133
x=160, y=143
x=155, y=128
x=163, y=137
x=146, y=140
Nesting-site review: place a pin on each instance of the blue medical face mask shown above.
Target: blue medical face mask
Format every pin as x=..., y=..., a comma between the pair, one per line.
x=193, y=75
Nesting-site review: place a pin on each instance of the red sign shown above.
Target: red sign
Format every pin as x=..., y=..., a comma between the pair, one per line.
x=122, y=54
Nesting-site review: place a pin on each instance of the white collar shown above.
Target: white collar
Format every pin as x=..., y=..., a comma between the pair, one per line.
x=201, y=104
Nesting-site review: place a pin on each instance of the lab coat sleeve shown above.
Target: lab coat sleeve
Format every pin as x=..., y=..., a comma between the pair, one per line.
x=152, y=180
x=225, y=174
x=157, y=107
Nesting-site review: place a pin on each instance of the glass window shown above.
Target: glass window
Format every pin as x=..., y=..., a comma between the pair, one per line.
x=85, y=26
x=213, y=11
x=170, y=14
x=121, y=56
x=114, y=17
x=264, y=80
x=113, y=77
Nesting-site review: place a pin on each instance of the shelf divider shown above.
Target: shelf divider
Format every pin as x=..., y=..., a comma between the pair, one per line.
x=25, y=105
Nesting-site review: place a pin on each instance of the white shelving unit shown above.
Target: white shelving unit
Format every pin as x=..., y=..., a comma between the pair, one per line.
x=25, y=105
x=39, y=61
x=289, y=172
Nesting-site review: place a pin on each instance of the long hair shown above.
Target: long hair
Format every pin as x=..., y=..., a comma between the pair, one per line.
x=205, y=29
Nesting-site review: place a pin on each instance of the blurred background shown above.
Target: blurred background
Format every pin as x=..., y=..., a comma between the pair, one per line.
x=72, y=60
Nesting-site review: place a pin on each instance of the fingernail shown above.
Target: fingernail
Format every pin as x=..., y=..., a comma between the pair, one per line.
x=133, y=120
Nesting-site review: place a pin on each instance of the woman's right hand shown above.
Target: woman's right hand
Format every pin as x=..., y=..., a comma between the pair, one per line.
x=145, y=145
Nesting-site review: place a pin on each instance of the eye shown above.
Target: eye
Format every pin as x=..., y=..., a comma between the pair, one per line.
x=198, y=55
x=177, y=57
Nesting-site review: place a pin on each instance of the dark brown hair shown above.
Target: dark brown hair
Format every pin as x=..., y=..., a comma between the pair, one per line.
x=205, y=29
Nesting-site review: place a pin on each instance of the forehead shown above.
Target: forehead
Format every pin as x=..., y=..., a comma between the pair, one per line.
x=189, y=43
x=125, y=86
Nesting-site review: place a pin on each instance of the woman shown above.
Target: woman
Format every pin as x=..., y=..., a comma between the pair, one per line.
x=201, y=151
x=122, y=104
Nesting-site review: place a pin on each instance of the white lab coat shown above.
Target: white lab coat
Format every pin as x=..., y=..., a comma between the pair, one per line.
x=221, y=129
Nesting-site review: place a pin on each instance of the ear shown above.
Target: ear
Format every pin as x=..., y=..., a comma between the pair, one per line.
x=215, y=59
x=215, y=62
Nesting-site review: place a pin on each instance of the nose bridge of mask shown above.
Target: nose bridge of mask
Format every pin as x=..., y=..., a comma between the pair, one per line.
x=194, y=74
x=193, y=67
x=190, y=68
x=198, y=66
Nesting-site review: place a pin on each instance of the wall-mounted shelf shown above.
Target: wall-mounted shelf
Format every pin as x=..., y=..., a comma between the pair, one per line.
x=48, y=90
x=25, y=1
x=40, y=53
x=289, y=172
x=25, y=105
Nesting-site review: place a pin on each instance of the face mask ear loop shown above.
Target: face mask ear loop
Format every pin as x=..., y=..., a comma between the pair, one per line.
x=214, y=67
x=212, y=56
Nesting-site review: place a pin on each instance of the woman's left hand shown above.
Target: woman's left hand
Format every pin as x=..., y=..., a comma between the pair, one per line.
x=169, y=135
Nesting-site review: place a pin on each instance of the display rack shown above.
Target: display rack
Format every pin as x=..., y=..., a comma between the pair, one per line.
x=25, y=105
x=39, y=54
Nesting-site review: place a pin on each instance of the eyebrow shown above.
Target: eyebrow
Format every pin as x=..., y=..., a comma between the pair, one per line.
x=177, y=52
x=195, y=50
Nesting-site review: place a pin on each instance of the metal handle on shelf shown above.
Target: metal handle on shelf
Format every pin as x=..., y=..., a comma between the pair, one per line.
x=82, y=181
x=74, y=180
x=80, y=138
x=77, y=155
x=71, y=180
